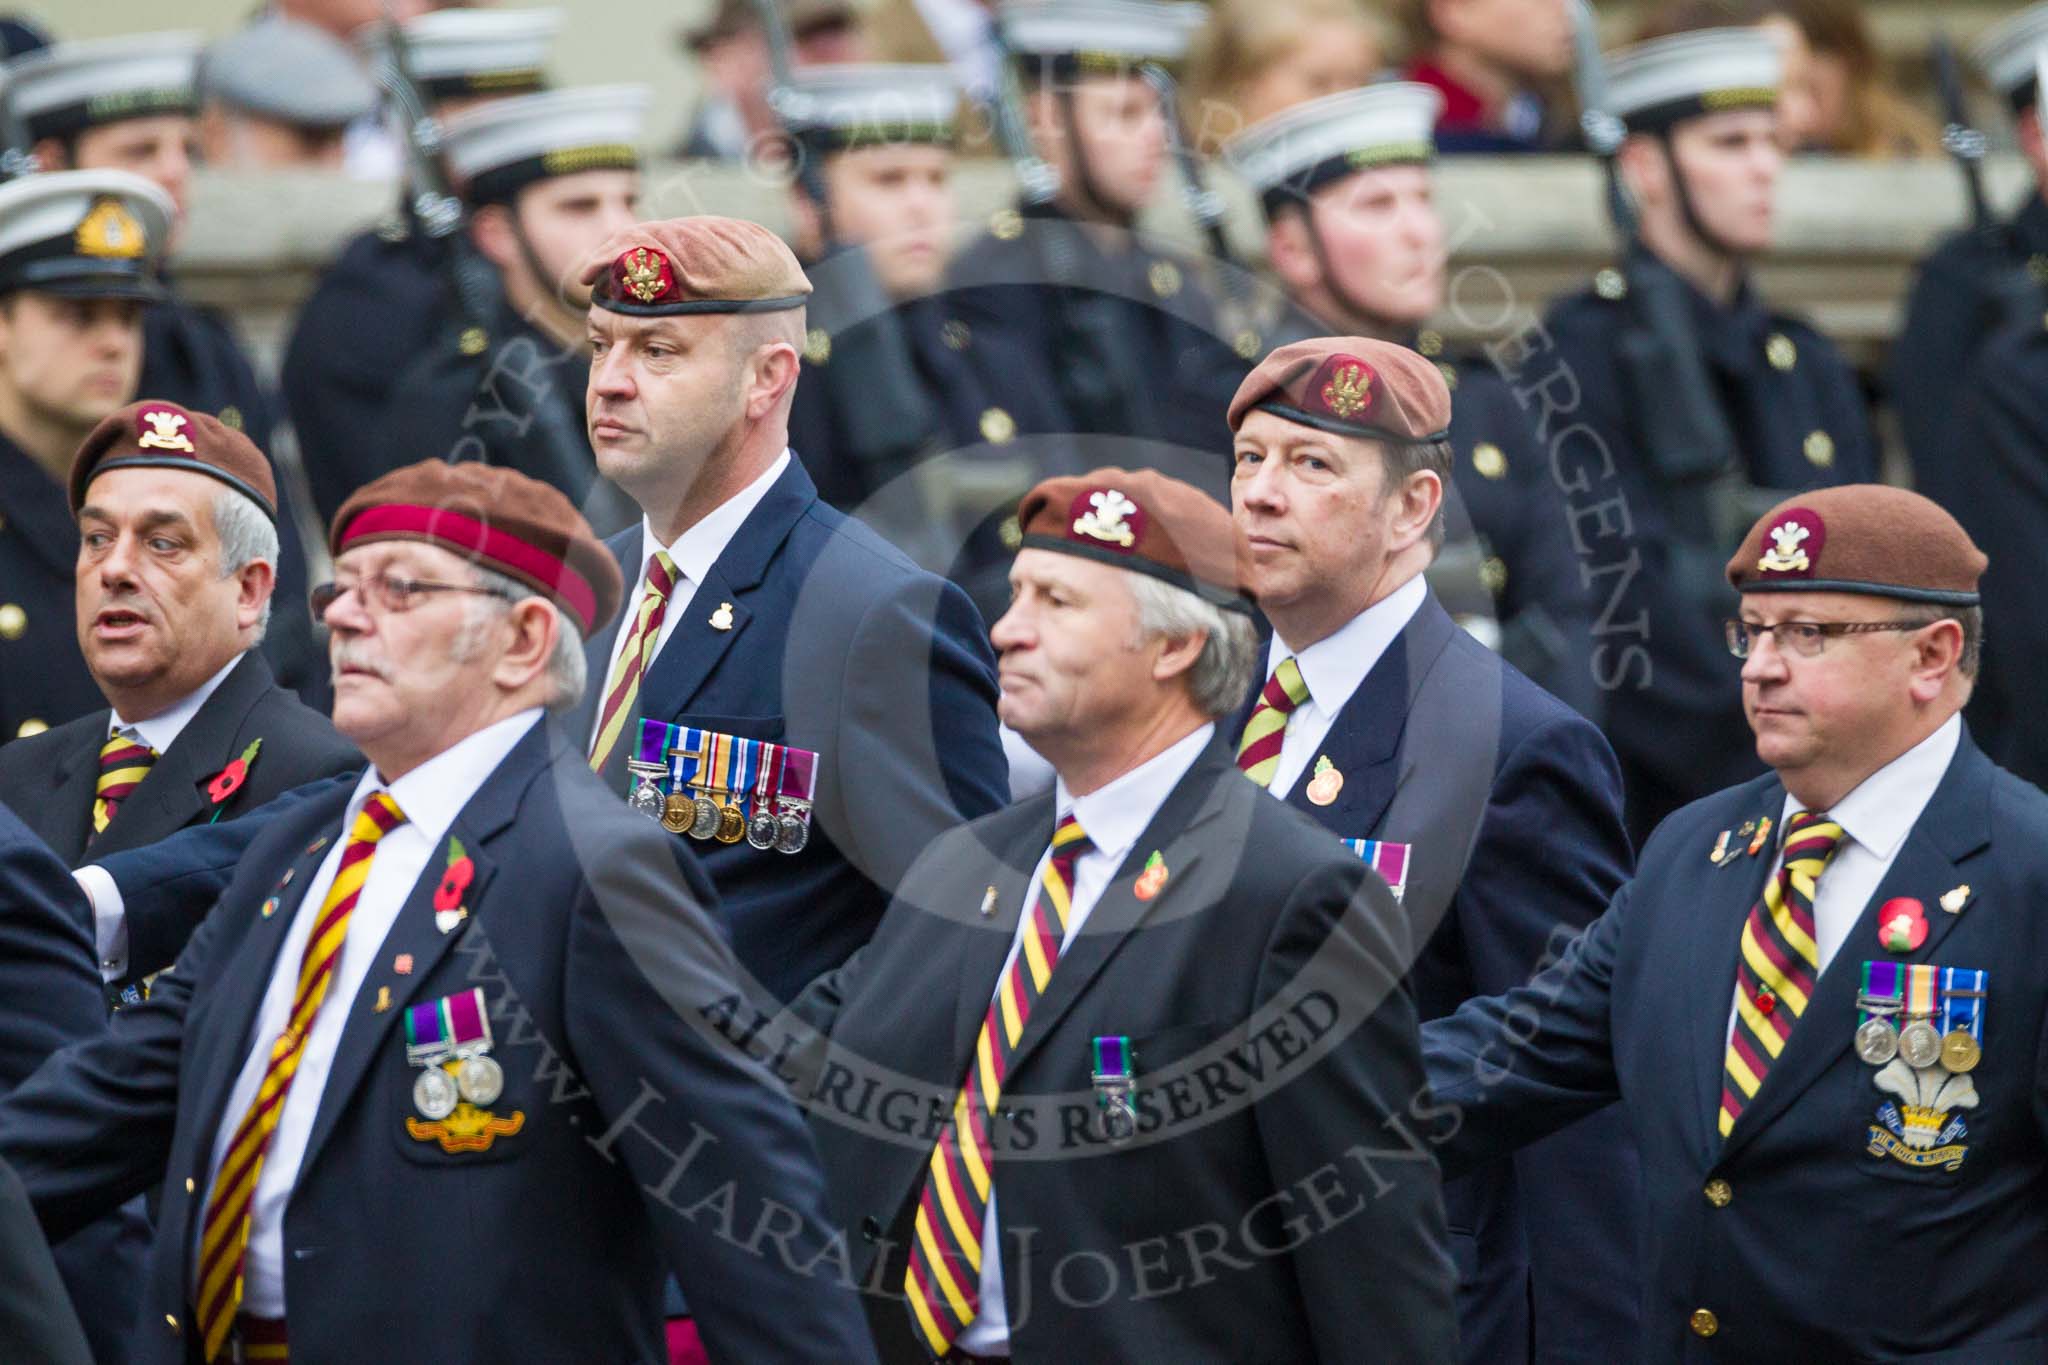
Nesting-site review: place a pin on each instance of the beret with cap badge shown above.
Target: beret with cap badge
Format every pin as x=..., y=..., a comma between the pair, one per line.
x=1861, y=538
x=154, y=434
x=1350, y=386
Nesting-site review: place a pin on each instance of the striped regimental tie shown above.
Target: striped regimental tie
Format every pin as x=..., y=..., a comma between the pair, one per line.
x=1258, y=753
x=124, y=762
x=224, y=1240
x=624, y=688
x=1780, y=962
x=943, y=1285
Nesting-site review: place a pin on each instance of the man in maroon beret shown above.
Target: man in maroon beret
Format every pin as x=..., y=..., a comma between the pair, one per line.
x=177, y=556
x=469, y=976
x=1055, y=986
x=1820, y=1000
x=1496, y=806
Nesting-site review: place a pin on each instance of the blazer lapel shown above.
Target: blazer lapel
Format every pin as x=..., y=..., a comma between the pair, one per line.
x=1710, y=940
x=417, y=932
x=1954, y=826
x=982, y=956
x=73, y=784
x=699, y=642
x=174, y=794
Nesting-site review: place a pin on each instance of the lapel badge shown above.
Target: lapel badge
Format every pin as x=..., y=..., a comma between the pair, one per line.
x=316, y=845
x=270, y=907
x=1327, y=782
x=402, y=964
x=988, y=902
x=286, y=879
x=446, y=920
x=1116, y=1117
x=1761, y=837
x=1955, y=899
x=1153, y=879
x=1720, y=853
x=1901, y=925
x=383, y=1000
x=1747, y=828
x=722, y=618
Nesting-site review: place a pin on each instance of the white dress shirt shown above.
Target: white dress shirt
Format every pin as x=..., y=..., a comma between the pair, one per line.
x=1112, y=816
x=430, y=796
x=159, y=732
x=1333, y=668
x=693, y=554
x=1875, y=819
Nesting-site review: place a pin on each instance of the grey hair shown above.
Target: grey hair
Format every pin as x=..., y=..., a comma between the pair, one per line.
x=567, y=672
x=246, y=534
x=1970, y=619
x=1224, y=671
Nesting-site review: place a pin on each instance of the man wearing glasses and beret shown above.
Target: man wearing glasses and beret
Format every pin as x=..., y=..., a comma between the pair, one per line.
x=1819, y=999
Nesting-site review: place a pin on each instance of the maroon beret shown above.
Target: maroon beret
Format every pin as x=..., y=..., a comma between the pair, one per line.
x=1352, y=386
x=1141, y=520
x=154, y=434
x=497, y=518
x=1862, y=538
x=695, y=265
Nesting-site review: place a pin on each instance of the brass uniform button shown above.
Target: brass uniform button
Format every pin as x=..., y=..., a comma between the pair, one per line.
x=1719, y=1192
x=955, y=334
x=1164, y=277
x=1610, y=284
x=817, y=346
x=1493, y=574
x=3, y=523
x=2037, y=268
x=190, y=1185
x=1704, y=1323
x=1489, y=461
x=1012, y=533
x=1430, y=343
x=1781, y=351
x=13, y=621
x=1006, y=224
x=34, y=725
x=171, y=1321
x=998, y=428
x=1820, y=449
x=1247, y=344
x=472, y=341
x=1450, y=374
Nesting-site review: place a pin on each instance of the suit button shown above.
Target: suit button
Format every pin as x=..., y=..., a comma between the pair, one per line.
x=190, y=1184
x=1719, y=1192
x=13, y=621
x=34, y=725
x=170, y=1322
x=870, y=1229
x=1704, y=1323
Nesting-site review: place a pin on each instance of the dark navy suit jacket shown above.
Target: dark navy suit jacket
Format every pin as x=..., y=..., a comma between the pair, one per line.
x=595, y=940
x=1510, y=802
x=1815, y=1253
x=837, y=644
x=51, y=997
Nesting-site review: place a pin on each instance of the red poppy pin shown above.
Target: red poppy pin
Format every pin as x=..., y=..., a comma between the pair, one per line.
x=229, y=780
x=1901, y=924
x=455, y=878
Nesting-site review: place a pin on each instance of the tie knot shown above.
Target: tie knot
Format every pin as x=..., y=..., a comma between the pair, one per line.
x=1069, y=840
x=121, y=751
x=380, y=815
x=661, y=574
x=1286, y=689
x=1811, y=834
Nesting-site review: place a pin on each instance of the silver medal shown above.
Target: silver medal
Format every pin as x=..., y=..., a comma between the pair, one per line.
x=1877, y=1042
x=763, y=830
x=795, y=833
x=480, y=1080
x=1920, y=1044
x=647, y=800
x=434, y=1093
x=705, y=825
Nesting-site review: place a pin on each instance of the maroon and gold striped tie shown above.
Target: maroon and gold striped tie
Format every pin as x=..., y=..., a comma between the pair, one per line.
x=1265, y=730
x=124, y=762
x=1780, y=962
x=224, y=1240
x=943, y=1284
x=624, y=688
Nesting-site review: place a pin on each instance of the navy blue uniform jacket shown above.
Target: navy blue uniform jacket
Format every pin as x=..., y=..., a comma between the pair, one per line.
x=646, y=1139
x=1510, y=803
x=1816, y=1252
x=838, y=644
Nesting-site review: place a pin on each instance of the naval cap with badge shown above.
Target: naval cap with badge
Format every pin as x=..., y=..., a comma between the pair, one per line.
x=1140, y=520
x=1289, y=156
x=289, y=72
x=497, y=149
x=845, y=105
x=1063, y=40
x=684, y=266
x=154, y=434
x=1350, y=386
x=454, y=53
x=2011, y=55
x=84, y=234
x=62, y=90
x=1658, y=84
x=1865, y=538
x=496, y=518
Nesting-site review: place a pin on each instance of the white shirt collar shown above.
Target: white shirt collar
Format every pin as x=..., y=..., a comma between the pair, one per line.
x=1333, y=667
x=434, y=793
x=1887, y=804
x=1115, y=814
x=160, y=732
x=698, y=548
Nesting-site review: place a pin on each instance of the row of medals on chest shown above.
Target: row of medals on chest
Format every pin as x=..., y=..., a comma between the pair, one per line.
x=712, y=813
x=1880, y=1038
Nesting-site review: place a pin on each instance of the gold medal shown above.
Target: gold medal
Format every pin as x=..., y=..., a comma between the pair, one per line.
x=676, y=813
x=732, y=824
x=1959, y=1051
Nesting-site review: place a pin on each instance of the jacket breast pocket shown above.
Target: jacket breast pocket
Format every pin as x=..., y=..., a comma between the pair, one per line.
x=476, y=1117
x=740, y=727
x=1918, y=1125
